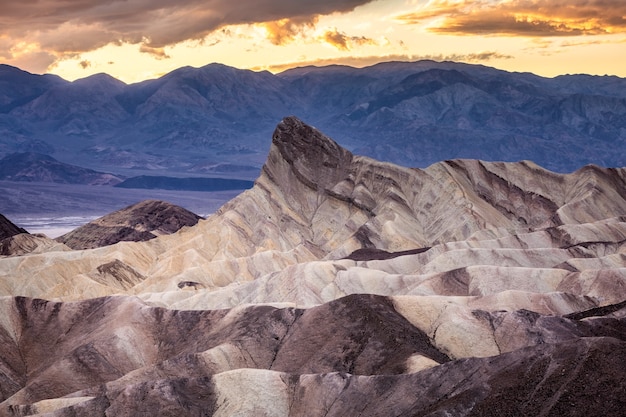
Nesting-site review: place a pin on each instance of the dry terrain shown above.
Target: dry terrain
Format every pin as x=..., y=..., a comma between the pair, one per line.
x=338, y=285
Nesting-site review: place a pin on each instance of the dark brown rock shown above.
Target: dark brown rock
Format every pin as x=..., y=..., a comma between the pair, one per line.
x=139, y=222
x=8, y=229
x=315, y=159
x=575, y=379
x=345, y=357
x=369, y=254
x=364, y=332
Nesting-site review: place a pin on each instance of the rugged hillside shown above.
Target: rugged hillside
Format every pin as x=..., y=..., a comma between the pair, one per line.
x=16, y=241
x=25, y=243
x=338, y=285
x=411, y=113
x=350, y=356
x=18, y=87
x=8, y=229
x=139, y=222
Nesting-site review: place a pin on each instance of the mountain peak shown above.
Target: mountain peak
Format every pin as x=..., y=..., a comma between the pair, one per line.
x=314, y=158
x=100, y=80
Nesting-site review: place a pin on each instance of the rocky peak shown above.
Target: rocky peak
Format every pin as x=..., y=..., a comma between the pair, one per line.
x=102, y=83
x=8, y=229
x=312, y=157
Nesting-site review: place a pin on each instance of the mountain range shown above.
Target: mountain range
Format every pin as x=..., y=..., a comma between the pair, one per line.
x=216, y=119
x=36, y=167
x=337, y=285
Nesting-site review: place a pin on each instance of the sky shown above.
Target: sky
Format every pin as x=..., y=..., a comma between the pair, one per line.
x=134, y=40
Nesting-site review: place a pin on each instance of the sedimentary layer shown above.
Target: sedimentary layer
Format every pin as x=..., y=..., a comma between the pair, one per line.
x=337, y=285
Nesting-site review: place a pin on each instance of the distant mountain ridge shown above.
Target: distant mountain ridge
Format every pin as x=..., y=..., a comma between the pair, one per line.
x=187, y=184
x=410, y=113
x=36, y=167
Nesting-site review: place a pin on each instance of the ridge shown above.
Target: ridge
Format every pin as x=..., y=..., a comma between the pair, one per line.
x=314, y=158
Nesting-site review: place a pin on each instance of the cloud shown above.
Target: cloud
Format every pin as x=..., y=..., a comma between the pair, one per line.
x=282, y=31
x=67, y=28
x=158, y=53
x=472, y=57
x=531, y=18
x=567, y=44
x=37, y=62
x=84, y=64
x=344, y=42
x=364, y=61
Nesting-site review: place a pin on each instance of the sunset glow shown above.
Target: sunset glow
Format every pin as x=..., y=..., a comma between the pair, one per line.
x=136, y=40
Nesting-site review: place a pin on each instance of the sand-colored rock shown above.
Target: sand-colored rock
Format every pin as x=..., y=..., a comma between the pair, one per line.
x=337, y=285
x=25, y=243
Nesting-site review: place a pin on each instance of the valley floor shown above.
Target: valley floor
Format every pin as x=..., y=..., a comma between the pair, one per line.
x=55, y=209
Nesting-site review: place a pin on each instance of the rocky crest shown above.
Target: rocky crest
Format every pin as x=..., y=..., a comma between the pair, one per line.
x=136, y=223
x=8, y=229
x=338, y=285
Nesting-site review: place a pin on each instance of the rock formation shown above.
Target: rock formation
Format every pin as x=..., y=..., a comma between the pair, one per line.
x=16, y=241
x=8, y=229
x=338, y=285
x=26, y=243
x=137, y=223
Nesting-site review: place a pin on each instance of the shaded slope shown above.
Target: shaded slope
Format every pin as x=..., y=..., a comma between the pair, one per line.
x=18, y=87
x=108, y=354
x=8, y=229
x=102, y=340
x=25, y=243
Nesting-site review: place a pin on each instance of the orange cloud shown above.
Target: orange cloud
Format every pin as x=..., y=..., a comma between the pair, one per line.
x=592, y=42
x=531, y=18
x=344, y=42
x=158, y=53
x=283, y=31
x=66, y=28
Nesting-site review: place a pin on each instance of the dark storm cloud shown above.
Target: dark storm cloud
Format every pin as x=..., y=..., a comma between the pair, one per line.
x=533, y=18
